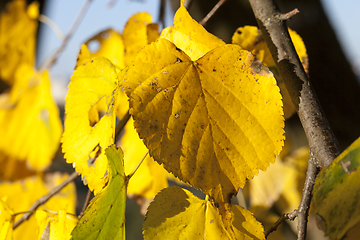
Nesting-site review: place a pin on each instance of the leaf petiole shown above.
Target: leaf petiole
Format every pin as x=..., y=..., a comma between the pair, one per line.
x=138, y=165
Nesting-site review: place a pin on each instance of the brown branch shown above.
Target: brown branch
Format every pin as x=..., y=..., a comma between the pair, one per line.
x=188, y=4
x=287, y=16
x=121, y=126
x=321, y=139
x=212, y=12
x=86, y=203
x=45, y=198
x=303, y=210
x=73, y=28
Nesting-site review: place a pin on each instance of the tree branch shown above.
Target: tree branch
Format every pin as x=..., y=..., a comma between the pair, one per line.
x=45, y=198
x=321, y=139
x=74, y=26
x=212, y=12
x=303, y=210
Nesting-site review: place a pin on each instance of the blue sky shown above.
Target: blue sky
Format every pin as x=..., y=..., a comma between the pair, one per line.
x=343, y=15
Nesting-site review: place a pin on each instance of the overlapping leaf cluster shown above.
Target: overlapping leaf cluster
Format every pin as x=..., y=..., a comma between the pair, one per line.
x=208, y=112
x=30, y=129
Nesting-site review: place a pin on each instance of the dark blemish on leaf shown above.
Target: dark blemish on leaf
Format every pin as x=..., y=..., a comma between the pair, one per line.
x=92, y=61
x=202, y=126
x=111, y=205
x=238, y=32
x=212, y=221
x=259, y=68
x=166, y=90
x=216, y=93
x=177, y=115
x=240, y=59
x=227, y=149
x=214, y=70
x=178, y=60
x=178, y=49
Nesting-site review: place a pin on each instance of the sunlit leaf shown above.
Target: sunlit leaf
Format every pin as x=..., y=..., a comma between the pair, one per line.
x=176, y=213
x=58, y=226
x=35, y=140
x=336, y=193
x=6, y=221
x=190, y=36
x=283, y=178
x=150, y=177
x=214, y=122
x=18, y=26
x=89, y=132
x=104, y=218
x=251, y=39
x=137, y=34
x=23, y=193
x=108, y=44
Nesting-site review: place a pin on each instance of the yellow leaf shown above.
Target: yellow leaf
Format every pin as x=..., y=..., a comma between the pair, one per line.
x=12, y=169
x=250, y=38
x=18, y=37
x=150, y=177
x=23, y=193
x=137, y=34
x=176, y=213
x=60, y=224
x=6, y=221
x=36, y=139
x=85, y=139
x=283, y=178
x=214, y=122
x=111, y=46
x=190, y=36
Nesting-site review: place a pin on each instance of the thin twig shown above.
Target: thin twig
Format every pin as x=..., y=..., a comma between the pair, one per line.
x=273, y=228
x=212, y=12
x=45, y=198
x=86, y=203
x=162, y=13
x=121, y=126
x=303, y=210
x=188, y=4
x=73, y=28
x=44, y=19
x=287, y=16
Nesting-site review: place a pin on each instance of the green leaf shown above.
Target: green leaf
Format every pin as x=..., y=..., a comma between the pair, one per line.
x=104, y=218
x=336, y=194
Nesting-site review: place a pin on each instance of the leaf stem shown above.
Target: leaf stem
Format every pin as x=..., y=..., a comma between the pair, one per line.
x=73, y=28
x=212, y=12
x=45, y=198
x=138, y=165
